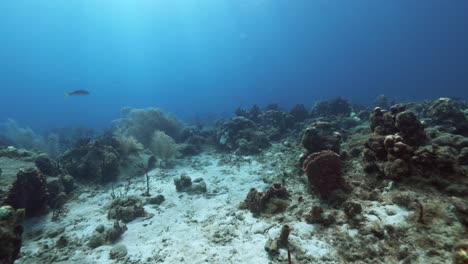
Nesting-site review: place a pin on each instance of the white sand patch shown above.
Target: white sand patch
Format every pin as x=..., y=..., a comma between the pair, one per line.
x=186, y=228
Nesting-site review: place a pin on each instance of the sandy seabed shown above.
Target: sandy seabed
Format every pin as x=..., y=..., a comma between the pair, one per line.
x=187, y=228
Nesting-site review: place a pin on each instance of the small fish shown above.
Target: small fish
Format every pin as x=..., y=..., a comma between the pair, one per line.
x=77, y=93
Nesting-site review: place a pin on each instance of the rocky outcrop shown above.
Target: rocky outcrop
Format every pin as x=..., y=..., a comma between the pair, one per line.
x=95, y=160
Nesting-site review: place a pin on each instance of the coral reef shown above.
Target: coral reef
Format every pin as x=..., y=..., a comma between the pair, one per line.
x=93, y=159
x=15, y=153
x=317, y=215
x=399, y=148
x=101, y=236
x=299, y=113
x=10, y=233
x=274, y=200
x=142, y=123
x=410, y=129
x=185, y=184
x=241, y=134
x=192, y=141
x=68, y=136
x=118, y=251
x=47, y=166
x=22, y=137
x=382, y=102
x=163, y=146
x=390, y=186
x=29, y=191
x=126, y=208
x=274, y=123
x=333, y=107
x=320, y=136
x=251, y=114
x=68, y=183
x=128, y=145
x=352, y=209
x=324, y=173
x=449, y=115
x=252, y=130
x=383, y=122
x=157, y=200
x=26, y=138
x=58, y=189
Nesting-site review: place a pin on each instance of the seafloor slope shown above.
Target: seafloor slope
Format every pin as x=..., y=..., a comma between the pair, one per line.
x=265, y=186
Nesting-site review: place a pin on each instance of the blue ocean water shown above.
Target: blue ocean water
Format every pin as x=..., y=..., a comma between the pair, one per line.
x=194, y=57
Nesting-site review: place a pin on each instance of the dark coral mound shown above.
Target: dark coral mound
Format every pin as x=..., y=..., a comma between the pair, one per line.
x=47, y=166
x=251, y=113
x=252, y=130
x=382, y=102
x=321, y=136
x=126, y=209
x=400, y=146
x=10, y=233
x=185, y=184
x=93, y=159
x=324, y=173
x=29, y=191
x=299, y=113
x=58, y=188
x=274, y=200
x=400, y=121
x=410, y=129
x=449, y=116
x=101, y=235
x=243, y=135
x=192, y=141
x=334, y=107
